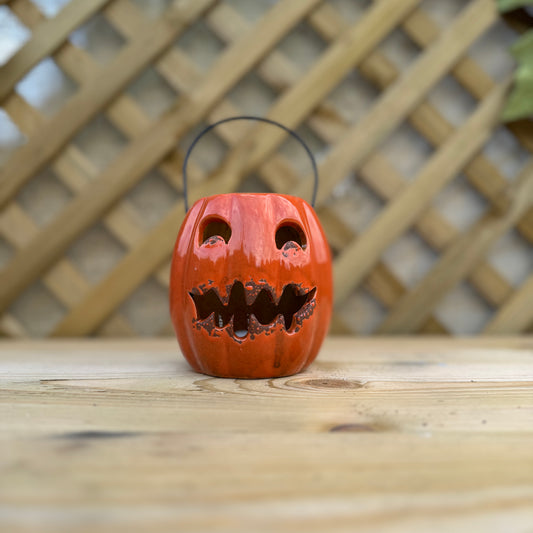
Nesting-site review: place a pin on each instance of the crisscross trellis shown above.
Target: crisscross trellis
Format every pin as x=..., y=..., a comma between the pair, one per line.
x=302, y=97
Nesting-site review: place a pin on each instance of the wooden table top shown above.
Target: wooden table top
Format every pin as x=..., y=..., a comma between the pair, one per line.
x=378, y=435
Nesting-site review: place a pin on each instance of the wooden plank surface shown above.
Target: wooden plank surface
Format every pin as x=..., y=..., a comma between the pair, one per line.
x=377, y=435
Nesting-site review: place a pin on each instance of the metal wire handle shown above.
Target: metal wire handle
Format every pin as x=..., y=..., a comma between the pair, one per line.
x=259, y=119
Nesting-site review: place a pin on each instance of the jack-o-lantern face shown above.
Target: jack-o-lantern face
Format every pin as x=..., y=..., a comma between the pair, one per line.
x=250, y=286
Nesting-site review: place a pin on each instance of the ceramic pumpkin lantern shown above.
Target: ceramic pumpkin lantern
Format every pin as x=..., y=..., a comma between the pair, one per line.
x=251, y=283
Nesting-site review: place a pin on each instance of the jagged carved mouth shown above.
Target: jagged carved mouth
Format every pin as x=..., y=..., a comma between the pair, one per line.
x=240, y=314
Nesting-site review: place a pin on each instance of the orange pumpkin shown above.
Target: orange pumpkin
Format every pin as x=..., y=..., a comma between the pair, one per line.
x=250, y=285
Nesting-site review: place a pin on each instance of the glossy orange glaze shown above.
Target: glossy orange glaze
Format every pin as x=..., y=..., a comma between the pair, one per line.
x=251, y=257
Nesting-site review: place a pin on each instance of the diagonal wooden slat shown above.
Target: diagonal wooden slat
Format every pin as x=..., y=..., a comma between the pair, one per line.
x=45, y=39
x=235, y=164
x=425, y=119
x=436, y=129
x=400, y=99
x=478, y=16
x=320, y=115
x=293, y=106
x=331, y=64
x=147, y=149
x=434, y=229
x=466, y=22
x=467, y=72
x=480, y=172
x=219, y=17
x=89, y=100
x=357, y=259
x=277, y=71
x=516, y=315
x=65, y=282
x=11, y=327
x=458, y=261
x=71, y=166
x=76, y=171
x=123, y=112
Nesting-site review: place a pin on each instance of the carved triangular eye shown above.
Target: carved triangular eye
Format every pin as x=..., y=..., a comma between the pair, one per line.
x=290, y=233
x=216, y=230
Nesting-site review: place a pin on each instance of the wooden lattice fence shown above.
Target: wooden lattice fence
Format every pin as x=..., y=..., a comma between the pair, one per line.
x=82, y=254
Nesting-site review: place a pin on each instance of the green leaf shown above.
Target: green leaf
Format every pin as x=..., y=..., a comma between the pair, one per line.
x=509, y=5
x=522, y=50
x=520, y=102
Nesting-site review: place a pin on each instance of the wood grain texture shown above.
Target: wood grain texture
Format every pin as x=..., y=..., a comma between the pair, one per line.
x=379, y=435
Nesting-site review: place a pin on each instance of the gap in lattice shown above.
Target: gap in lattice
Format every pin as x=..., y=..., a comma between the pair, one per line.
x=254, y=184
x=252, y=96
x=399, y=49
x=462, y=310
x=252, y=11
x=95, y=253
x=152, y=92
x=452, y=100
x=200, y=45
x=406, y=150
x=50, y=8
x=512, y=256
x=44, y=197
x=410, y=258
x=460, y=204
x=354, y=203
x=210, y=149
x=146, y=309
x=46, y=87
x=302, y=46
x=152, y=9
x=362, y=312
x=353, y=97
x=506, y=152
x=491, y=51
x=37, y=310
x=349, y=10
x=98, y=38
x=443, y=13
x=100, y=141
x=10, y=137
x=152, y=198
x=13, y=35
x=297, y=156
